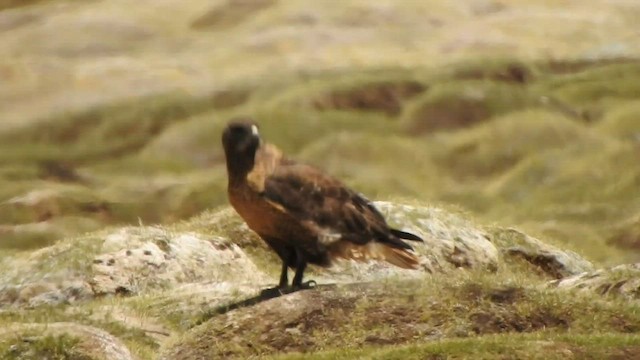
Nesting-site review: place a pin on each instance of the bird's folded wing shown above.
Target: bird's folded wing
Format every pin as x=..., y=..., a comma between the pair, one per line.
x=323, y=202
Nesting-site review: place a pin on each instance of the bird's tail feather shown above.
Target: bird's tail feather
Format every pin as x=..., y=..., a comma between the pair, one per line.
x=405, y=235
x=376, y=251
x=401, y=258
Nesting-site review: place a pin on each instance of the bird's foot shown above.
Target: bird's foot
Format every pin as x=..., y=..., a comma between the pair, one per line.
x=273, y=292
x=306, y=285
x=283, y=290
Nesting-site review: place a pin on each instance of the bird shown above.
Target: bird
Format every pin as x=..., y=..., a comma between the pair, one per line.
x=303, y=214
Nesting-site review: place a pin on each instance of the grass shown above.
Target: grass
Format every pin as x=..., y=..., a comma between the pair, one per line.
x=457, y=104
x=522, y=346
x=437, y=314
x=62, y=347
x=60, y=344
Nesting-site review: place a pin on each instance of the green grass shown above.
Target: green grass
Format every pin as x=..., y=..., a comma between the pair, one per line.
x=57, y=346
x=527, y=346
x=62, y=347
x=464, y=308
x=622, y=122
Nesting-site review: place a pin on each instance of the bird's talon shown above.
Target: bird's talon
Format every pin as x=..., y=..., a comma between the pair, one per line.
x=270, y=292
x=309, y=284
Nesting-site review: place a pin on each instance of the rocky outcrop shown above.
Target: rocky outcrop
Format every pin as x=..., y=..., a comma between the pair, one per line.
x=622, y=280
x=129, y=261
x=155, y=258
x=550, y=260
x=451, y=241
x=136, y=260
x=167, y=281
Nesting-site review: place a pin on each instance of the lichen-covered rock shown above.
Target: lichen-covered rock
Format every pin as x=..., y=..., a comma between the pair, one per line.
x=155, y=258
x=450, y=240
x=623, y=280
x=45, y=293
x=554, y=262
x=128, y=261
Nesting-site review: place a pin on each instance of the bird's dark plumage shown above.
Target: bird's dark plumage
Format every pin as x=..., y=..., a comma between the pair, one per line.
x=303, y=214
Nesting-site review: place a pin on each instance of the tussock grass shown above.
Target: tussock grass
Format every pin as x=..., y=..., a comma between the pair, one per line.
x=463, y=308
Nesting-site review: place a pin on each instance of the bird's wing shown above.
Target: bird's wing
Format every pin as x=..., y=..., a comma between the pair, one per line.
x=324, y=203
x=344, y=222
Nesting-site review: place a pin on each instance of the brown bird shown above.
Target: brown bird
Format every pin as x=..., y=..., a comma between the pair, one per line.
x=304, y=215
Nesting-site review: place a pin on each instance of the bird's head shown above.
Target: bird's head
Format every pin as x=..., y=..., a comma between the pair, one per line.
x=240, y=140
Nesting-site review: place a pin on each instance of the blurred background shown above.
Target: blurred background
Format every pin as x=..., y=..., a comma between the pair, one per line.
x=520, y=113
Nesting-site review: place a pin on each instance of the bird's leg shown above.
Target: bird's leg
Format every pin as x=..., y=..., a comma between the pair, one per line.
x=286, y=256
x=284, y=275
x=301, y=265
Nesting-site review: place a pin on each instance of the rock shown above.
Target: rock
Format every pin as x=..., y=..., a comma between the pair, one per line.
x=45, y=293
x=450, y=240
x=623, y=280
x=155, y=258
x=128, y=261
x=553, y=262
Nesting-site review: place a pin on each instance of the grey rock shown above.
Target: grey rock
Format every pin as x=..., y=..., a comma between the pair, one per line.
x=622, y=280
x=155, y=258
x=554, y=262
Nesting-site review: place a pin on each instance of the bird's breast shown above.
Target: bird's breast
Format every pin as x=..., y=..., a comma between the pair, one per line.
x=260, y=216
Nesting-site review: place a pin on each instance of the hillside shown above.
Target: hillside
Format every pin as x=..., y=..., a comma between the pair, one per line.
x=507, y=122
